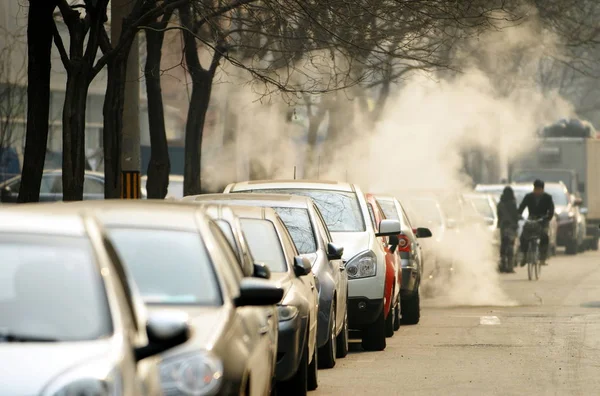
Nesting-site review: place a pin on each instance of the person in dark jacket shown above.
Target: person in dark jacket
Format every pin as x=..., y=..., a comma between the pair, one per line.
x=541, y=207
x=508, y=223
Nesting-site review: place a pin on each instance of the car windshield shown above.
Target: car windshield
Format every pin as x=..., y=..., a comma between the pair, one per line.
x=340, y=210
x=482, y=205
x=264, y=243
x=51, y=290
x=168, y=266
x=425, y=211
x=298, y=223
x=559, y=196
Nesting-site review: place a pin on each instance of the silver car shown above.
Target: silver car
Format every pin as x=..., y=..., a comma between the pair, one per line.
x=312, y=239
x=70, y=322
x=180, y=259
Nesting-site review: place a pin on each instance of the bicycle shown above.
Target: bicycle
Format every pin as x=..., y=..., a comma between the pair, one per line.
x=533, y=230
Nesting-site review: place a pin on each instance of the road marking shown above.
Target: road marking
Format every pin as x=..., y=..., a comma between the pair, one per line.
x=489, y=320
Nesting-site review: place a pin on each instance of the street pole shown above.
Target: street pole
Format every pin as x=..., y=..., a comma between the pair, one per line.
x=130, y=149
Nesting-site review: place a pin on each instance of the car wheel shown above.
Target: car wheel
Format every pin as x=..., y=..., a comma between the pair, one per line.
x=328, y=353
x=342, y=339
x=411, y=309
x=397, y=315
x=298, y=384
x=373, y=337
x=571, y=247
x=313, y=372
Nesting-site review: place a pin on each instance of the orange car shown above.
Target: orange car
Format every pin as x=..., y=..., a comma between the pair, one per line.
x=393, y=272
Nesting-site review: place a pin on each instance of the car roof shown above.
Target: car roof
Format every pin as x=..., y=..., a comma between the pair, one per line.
x=175, y=178
x=133, y=213
x=255, y=199
x=26, y=218
x=293, y=184
x=384, y=197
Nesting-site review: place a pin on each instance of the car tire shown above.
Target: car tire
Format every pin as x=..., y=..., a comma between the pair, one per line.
x=373, y=337
x=328, y=352
x=571, y=247
x=298, y=384
x=313, y=372
x=397, y=319
x=411, y=309
x=594, y=244
x=389, y=323
x=342, y=339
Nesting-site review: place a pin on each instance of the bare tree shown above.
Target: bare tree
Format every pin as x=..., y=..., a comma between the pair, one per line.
x=40, y=27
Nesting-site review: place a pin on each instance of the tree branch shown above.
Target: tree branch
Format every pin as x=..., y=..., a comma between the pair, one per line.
x=64, y=57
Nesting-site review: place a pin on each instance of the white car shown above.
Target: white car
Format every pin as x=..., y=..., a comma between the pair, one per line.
x=345, y=210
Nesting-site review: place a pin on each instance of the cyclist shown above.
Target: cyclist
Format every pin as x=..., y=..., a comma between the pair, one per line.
x=541, y=207
x=508, y=223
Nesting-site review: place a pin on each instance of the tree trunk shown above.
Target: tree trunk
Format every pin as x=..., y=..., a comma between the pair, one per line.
x=40, y=26
x=113, y=123
x=159, y=166
x=194, y=131
x=74, y=131
x=311, y=164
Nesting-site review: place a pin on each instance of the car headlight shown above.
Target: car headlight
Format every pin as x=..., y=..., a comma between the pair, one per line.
x=362, y=265
x=286, y=312
x=87, y=380
x=197, y=374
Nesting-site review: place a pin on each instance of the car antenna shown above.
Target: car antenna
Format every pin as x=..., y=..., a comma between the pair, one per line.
x=318, y=167
x=294, y=172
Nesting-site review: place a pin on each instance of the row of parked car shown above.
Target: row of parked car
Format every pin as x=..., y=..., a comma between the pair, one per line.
x=247, y=292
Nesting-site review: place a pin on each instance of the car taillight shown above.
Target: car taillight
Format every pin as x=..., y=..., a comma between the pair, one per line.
x=403, y=243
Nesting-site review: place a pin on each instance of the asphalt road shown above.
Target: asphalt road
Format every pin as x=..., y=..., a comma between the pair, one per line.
x=548, y=344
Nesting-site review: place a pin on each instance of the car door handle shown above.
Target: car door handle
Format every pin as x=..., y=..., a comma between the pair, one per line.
x=263, y=330
x=269, y=314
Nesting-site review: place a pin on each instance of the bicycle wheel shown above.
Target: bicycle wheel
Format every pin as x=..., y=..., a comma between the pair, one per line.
x=530, y=260
x=538, y=264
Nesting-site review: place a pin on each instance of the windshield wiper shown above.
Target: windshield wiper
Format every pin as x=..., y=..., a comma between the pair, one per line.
x=11, y=337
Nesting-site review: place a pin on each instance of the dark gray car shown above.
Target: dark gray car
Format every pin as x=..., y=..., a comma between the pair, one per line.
x=312, y=239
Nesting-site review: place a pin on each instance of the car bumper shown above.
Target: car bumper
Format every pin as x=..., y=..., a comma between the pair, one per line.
x=290, y=344
x=363, y=311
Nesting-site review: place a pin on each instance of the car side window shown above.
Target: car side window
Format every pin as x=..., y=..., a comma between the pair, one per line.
x=92, y=185
x=372, y=215
x=322, y=225
x=231, y=271
x=123, y=280
x=288, y=244
x=51, y=184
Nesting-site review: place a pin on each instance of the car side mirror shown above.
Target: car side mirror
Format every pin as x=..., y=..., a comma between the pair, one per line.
x=258, y=292
x=423, y=232
x=302, y=266
x=261, y=270
x=334, y=252
x=388, y=228
x=577, y=201
x=165, y=329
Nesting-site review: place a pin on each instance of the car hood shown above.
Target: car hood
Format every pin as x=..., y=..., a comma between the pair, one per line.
x=353, y=242
x=206, y=322
x=30, y=367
